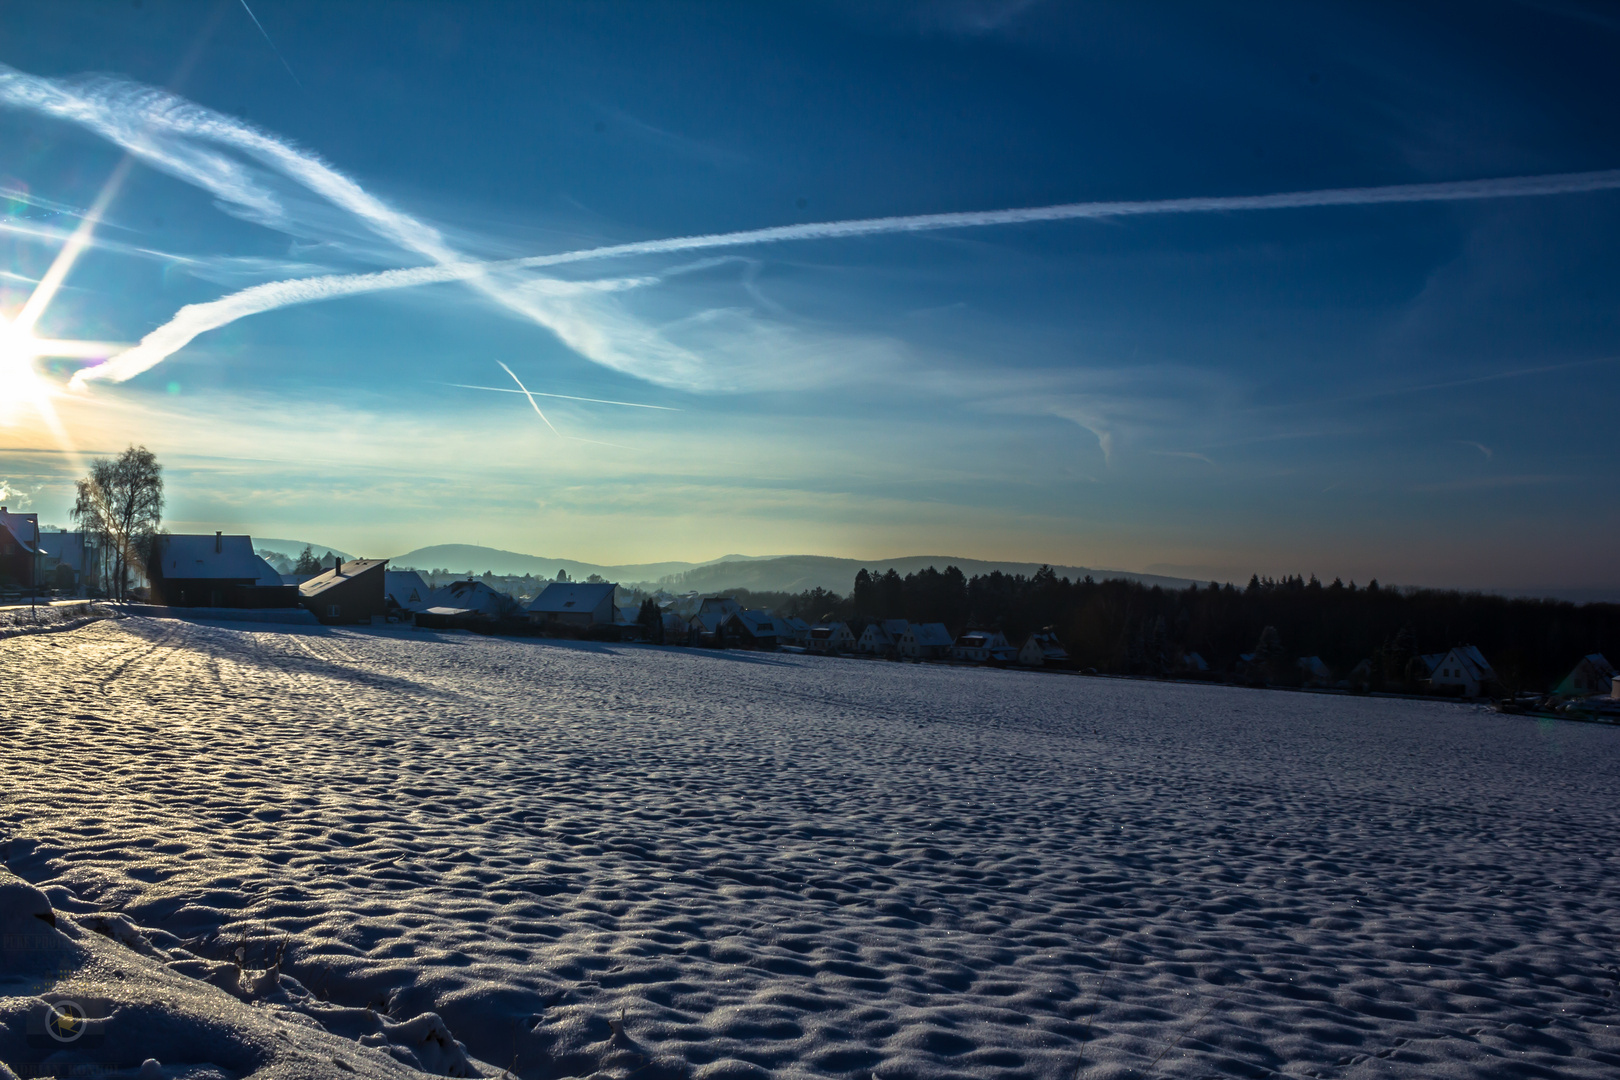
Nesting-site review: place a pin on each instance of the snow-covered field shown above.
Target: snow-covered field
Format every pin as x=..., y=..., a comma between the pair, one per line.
x=783, y=865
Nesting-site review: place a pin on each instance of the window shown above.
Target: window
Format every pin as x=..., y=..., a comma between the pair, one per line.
x=333, y=611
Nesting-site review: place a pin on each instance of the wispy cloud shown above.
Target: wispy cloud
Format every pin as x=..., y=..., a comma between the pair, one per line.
x=1481, y=447
x=716, y=349
x=200, y=318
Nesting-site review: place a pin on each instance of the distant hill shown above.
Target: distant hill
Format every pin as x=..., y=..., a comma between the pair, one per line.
x=796, y=573
x=459, y=558
x=760, y=573
x=294, y=548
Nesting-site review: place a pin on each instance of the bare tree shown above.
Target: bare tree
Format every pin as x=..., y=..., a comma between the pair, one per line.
x=121, y=504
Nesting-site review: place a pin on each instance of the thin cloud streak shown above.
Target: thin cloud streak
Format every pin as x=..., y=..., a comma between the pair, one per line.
x=564, y=397
x=195, y=319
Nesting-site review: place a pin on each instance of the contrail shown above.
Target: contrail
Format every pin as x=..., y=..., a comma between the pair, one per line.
x=270, y=43
x=524, y=390
x=195, y=319
x=564, y=397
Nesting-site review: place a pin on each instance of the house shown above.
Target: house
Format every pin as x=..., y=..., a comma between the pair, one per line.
x=1314, y=672
x=1191, y=663
x=578, y=604
x=198, y=570
x=707, y=624
x=983, y=647
x=879, y=638
x=19, y=549
x=752, y=630
x=474, y=597
x=1593, y=675
x=1463, y=668
x=833, y=637
x=924, y=641
x=350, y=592
x=1043, y=650
x=405, y=589
x=794, y=630
x=76, y=557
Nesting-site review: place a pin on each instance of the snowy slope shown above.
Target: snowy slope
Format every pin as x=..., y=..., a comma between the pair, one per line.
x=811, y=867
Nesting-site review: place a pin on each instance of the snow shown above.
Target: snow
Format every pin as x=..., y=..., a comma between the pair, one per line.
x=559, y=858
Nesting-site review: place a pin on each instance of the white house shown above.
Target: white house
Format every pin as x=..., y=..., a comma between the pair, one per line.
x=1042, y=650
x=406, y=589
x=879, y=638
x=1465, y=668
x=1593, y=675
x=924, y=641
x=983, y=646
x=575, y=603
x=833, y=637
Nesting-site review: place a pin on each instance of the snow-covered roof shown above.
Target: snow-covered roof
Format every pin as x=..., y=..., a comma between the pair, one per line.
x=929, y=634
x=213, y=557
x=406, y=588
x=340, y=573
x=724, y=604
x=471, y=596
x=1472, y=656
x=25, y=527
x=572, y=597
x=759, y=623
x=794, y=623
x=894, y=627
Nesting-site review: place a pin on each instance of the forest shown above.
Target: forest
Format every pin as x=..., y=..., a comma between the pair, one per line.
x=1124, y=627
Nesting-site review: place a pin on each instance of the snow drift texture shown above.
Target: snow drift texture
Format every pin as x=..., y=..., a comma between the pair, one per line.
x=317, y=852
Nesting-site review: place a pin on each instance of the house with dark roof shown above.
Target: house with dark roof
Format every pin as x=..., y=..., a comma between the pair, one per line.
x=19, y=550
x=199, y=570
x=350, y=592
x=578, y=604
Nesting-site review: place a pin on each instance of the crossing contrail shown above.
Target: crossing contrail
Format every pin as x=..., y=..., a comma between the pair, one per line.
x=270, y=43
x=195, y=319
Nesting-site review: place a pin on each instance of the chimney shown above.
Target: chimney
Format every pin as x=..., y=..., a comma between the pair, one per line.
x=219, y=542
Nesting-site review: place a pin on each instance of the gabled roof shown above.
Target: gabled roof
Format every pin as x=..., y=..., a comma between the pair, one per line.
x=725, y=604
x=794, y=623
x=471, y=596
x=572, y=597
x=25, y=527
x=213, y=557
x=876, y=632
x=929, y=634
x=406, y=588
x=1473, y=656
x=759, y=623
x=894, y=627
x=341, y=574
x=67, y=547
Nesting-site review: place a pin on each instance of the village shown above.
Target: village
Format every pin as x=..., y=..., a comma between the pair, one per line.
x=223, y=576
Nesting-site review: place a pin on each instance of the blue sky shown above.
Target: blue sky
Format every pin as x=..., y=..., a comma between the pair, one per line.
x=1417, y=390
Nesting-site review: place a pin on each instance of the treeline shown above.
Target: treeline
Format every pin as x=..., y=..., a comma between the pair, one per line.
x=1129, y=628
